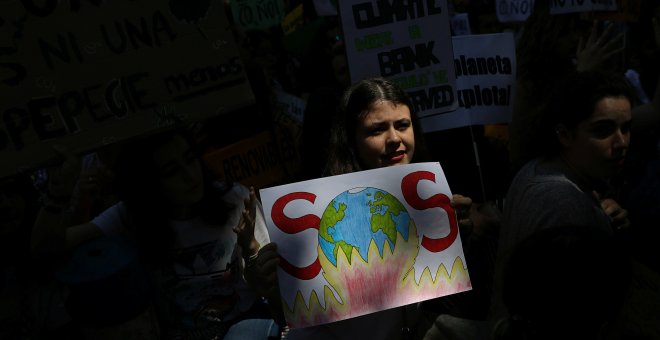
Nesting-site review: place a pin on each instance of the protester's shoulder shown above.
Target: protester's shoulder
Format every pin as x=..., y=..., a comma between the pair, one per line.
x=542, y=191
x=537, y=179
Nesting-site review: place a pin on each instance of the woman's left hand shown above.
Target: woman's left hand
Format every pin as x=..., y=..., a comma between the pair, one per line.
x=245, y=227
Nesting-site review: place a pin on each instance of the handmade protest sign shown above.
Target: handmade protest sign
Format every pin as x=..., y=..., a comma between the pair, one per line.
x=628, y=11
x=408, y=42
x=261, y=160
x=485, y=81
x=363, y=242
x=88, y=73
x=573, y=6
x=257, y=14
x=514, y=10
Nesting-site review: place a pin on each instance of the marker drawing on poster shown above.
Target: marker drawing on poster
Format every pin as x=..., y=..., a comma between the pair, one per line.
x=364, y=242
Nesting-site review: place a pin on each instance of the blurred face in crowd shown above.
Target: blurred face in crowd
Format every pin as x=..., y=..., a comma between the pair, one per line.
x=385, y=136
x=179, y=172
x=335, y=43
x=597, y=146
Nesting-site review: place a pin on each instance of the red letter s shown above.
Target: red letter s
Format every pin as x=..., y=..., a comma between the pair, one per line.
x=294, y=226
x=409, y=189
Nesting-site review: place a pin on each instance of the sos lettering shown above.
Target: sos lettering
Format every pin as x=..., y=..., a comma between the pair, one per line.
x=411, y=196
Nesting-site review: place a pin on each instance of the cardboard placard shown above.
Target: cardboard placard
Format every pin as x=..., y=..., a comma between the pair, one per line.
x=259, y=161
x=364, y=242
x=406, y=42
x=86, y=74
x=485, y=82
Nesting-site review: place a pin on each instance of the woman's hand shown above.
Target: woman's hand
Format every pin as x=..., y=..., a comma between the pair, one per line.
x=618, y=215
x=263, y=271
x=598, y=49
x=245, y=227
x=463, y=205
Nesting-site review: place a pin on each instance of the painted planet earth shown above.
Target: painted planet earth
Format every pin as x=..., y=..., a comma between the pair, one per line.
x=359, y=216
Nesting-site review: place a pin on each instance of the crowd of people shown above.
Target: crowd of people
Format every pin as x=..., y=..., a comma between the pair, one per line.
x=139, y=240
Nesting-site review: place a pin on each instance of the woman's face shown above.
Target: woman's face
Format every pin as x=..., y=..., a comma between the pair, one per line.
x=597, y=147
x=385, y=136
x=179, y=172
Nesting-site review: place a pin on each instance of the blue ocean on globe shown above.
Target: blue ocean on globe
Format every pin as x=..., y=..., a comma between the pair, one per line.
x=356, y=217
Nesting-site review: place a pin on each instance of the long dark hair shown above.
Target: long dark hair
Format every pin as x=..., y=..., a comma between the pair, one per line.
x=138, y=188
x=355, y=104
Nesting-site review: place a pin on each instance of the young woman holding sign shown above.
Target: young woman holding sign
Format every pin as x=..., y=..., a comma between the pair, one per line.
x=375, y=127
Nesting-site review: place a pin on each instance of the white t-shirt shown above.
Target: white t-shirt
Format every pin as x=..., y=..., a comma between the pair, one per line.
x=205, y=279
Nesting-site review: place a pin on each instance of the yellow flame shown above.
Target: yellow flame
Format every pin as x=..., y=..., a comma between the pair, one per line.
x=379, y=284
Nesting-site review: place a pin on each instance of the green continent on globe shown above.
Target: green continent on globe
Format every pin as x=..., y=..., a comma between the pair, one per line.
x=330, y=217
x=384, y=221
x=347, y=248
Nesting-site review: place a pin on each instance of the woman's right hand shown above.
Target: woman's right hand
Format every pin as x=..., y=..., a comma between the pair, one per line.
x=263, y=274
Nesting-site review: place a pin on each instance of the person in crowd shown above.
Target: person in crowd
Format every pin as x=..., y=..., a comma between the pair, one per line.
x=196, y=237
x=642, y=189
x=327, y=53
x=587, y=133
x=31, y=301
x=375, y=127
x=551, y=47
x=566, y=282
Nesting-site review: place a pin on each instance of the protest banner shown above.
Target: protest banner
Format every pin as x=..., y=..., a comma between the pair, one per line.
x=575, y=6
x=257, y=14
x=260, y=161
x=628, y=11
x=514, y=10
x=363, y=242
x=485, y=82
x=408, y=42
x=86, y=74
